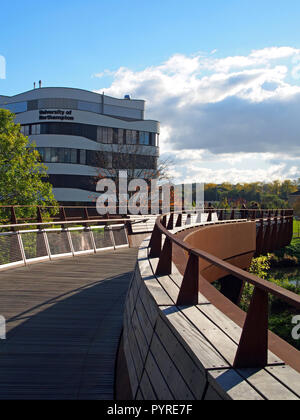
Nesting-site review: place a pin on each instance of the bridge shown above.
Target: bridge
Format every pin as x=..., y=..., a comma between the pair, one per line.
x=105, y=309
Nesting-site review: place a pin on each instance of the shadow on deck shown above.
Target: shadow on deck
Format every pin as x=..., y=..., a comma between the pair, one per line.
x=64, y=320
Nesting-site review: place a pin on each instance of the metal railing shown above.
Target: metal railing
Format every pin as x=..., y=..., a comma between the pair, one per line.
x=19, y=214
x=253, y=346
x=51, y=240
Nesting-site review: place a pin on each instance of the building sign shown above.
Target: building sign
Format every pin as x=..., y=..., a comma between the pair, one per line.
x=57, y=114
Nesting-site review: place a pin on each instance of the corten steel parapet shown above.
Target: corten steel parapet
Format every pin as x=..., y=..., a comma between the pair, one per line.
x=207, y=255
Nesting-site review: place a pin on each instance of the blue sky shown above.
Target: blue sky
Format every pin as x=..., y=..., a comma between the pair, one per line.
x=151, y=49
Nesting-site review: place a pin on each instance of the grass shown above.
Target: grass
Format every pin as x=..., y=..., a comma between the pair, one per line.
x=296, y=228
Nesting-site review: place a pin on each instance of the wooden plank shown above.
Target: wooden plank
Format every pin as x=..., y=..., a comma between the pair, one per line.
x=135, y=353
x=202, y=352
x=158, y=382
x=288, y=376
x=230, y=328
x=158, y=293
x=194, y=377
x=144, y=321
x=146, y=388
x=267, y=385
x=139, y=396
x=212, y=395
x=64, y=320
x=169, y=286
x=140, y=337
x=149, y=304
x=213, y=334
x=169, y=371
x=228, y=383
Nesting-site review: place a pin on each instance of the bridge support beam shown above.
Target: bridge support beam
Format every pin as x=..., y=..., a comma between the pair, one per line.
x=253, y=347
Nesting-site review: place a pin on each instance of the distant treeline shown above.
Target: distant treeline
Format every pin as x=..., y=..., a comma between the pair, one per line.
x=268, y=195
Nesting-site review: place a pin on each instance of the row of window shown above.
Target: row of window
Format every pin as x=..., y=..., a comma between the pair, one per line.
x=64, y=103
x=96, y=159
x=73, y=181
x=93, y=132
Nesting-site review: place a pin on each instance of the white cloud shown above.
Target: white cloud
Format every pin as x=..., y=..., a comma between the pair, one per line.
x=222, y=110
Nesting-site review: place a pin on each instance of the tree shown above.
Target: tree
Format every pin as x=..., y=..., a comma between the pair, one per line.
x=296, y=207
x=136, y=160
x=21, y=170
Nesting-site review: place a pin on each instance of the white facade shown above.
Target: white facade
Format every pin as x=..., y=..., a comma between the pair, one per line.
x=72, y=128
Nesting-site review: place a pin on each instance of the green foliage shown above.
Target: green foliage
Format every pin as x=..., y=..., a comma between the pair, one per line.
x=293, y=250
x=260, y=266
x=21, y=169
x=284, y=261
x=280, y=313
x=281, y=325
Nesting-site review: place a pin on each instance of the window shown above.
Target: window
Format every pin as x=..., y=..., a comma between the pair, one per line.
x=131, y=136
x=105, y=135
x=57, y=103
x=89, y=106
x=109, y=135
x=35, y=129
x=121, y=111
x=115, y=136
x=73, y=156
x=82, y=157
x=16, y=107
x=54, y=155
x=144, y=138
x=121, y=135
x=47, y=154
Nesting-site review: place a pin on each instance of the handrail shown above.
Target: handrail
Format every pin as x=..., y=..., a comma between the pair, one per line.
x=61, y=212
x=76, y=222
x=253, y=347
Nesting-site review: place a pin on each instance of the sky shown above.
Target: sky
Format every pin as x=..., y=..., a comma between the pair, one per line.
x=222, y=77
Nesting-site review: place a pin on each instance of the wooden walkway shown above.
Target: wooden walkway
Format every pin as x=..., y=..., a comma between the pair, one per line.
x=64, y=320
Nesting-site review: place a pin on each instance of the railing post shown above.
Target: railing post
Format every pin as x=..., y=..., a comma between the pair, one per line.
x=62, y=214
x=86, y=213
x=209, y=215
x=232, y=215
x=171, y=222
x=188, y=294
x=260, y=238
x=267, y=237
x=39, y=215
x=274, y=236
x=155, y=243
x=281, y=232
x=164, y=221
x=164, y=266
x=179, y=220
x=252, y=351
x=13, y=218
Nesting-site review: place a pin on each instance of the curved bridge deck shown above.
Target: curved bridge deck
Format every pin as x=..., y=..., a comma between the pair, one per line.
x=64, y=320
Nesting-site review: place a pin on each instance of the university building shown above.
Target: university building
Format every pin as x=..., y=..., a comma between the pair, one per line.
x=81, y=135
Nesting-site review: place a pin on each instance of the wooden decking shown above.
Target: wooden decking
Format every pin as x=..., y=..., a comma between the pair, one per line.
x=64, y=320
